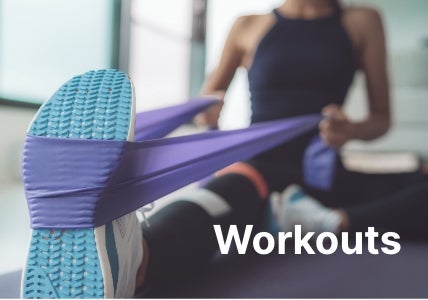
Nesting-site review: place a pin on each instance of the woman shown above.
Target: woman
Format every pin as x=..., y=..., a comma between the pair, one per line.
x=301, y=59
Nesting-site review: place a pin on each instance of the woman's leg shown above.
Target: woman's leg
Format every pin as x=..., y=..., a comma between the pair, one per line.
x=388, y=202
x=181, y=238
x=399, y=204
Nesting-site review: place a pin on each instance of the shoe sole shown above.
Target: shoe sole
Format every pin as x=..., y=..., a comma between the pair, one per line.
x=66, y=263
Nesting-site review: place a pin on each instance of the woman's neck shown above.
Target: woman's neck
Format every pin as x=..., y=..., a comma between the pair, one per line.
x=307, y=9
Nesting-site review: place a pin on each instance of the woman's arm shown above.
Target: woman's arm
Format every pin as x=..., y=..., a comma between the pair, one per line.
x=218, y=82
x=337, y=130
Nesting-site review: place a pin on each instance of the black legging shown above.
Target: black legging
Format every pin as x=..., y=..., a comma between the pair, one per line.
x=181, y=238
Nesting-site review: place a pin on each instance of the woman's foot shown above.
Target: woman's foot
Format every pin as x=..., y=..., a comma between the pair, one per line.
x=98, y=262
x=294, y=207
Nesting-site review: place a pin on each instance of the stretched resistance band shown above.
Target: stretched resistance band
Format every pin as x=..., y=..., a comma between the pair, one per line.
x=88, y=183
x=158, y=123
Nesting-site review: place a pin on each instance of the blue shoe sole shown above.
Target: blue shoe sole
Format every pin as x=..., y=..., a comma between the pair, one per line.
x=64, y=263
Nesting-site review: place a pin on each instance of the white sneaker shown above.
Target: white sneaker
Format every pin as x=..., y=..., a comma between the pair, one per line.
x=99, y=262
x=293, y=207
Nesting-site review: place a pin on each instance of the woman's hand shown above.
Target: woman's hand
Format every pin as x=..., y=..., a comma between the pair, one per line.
x=209, y=118
x=336, y=129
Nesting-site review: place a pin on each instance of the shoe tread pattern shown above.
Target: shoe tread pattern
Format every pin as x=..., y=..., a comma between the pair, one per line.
x=95, y=105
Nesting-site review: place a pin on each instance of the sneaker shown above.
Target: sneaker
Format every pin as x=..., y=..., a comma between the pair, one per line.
x=293, y=207
x=99, y=262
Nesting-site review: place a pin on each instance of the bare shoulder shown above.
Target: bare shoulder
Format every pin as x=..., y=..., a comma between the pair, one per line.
x=248, y=31
x=363, y=24
x=362, y=17
x=246, y=22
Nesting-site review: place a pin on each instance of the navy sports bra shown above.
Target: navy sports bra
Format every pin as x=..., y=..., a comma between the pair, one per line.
x=299, y=67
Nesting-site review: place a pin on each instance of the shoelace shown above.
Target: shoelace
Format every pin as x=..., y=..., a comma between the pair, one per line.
x=145, y=209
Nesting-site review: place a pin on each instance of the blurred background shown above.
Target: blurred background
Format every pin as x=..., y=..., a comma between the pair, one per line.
x=167, y=47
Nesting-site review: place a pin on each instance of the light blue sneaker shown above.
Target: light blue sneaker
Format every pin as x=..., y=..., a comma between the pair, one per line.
x=99, y=262
x=294, y=207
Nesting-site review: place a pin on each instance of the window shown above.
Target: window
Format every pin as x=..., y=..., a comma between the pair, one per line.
x=160, y=50
x=43, y=43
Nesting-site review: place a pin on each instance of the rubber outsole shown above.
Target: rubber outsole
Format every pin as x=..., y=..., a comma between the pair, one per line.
x=95, y=105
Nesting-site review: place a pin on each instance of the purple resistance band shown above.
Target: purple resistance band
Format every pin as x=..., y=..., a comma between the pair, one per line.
x=319, y=164
x=88, y=183
x=158, y=123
